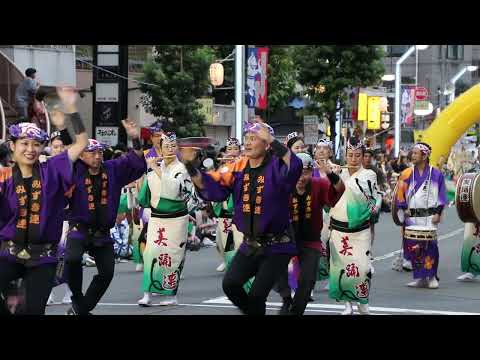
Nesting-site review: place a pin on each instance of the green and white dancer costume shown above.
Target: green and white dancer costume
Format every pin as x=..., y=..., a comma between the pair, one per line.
x=225, y=227
x=471, y=250
x=164, y=253
x=350, y=238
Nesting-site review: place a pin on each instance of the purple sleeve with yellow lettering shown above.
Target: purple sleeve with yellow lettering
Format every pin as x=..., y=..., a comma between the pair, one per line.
x=219, y=184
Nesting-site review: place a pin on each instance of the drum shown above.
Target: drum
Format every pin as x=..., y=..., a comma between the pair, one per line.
x=420, y=233
x=398, y=215
x=467, y=197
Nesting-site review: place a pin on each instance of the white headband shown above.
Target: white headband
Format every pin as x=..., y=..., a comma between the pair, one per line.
x=423, y=148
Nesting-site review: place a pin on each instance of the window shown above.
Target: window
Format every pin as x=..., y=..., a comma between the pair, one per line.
x=396, y=50
x=50, y=47
x=455, y=52
x=476, y=73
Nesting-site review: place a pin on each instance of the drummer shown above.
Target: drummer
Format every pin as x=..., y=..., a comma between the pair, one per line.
x=470, y=260
x=422, y=195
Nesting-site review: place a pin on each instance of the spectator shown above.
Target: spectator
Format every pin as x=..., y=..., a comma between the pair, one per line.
x=205, y=225
x=5, y=155
x=381, y=179
x=119, y=234
x=25, y=93
x=37, y=113
x=368, y=157
x=401, y=163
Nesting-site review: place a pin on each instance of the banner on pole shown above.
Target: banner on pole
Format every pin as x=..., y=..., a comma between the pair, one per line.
x=407, y=105
x=257, y=78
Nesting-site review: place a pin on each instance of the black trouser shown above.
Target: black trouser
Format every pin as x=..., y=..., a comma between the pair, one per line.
x=266, y=270
x=309, y=261
x=37, y=281
x=282, y=287
x=105, y=261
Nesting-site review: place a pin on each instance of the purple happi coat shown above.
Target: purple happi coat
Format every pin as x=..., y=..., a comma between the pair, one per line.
x=275, y=184
x=121, y=172
x=56, y=181
x=417, y=193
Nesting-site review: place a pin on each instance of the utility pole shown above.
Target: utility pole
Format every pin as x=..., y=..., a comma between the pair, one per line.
x=239, y=90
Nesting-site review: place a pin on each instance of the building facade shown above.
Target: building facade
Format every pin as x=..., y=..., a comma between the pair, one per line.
x=435, y=67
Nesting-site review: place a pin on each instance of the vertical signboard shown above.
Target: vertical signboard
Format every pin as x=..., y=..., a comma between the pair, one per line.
x=374, y=113
x=110, y=93
x=310, y=129
x=362, y=107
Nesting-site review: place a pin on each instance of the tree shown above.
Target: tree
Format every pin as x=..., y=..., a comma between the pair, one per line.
x=326, y=71
x=281, y=79
x=180, y=76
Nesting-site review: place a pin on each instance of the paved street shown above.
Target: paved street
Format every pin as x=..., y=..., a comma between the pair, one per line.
x=200, y=292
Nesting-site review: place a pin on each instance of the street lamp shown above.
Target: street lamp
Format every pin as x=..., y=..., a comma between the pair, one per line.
x=457, y=76
x=398, y=79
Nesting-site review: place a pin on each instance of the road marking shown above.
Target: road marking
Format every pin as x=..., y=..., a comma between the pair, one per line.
x=224, y=301
x=270, y=306
x=441, y=237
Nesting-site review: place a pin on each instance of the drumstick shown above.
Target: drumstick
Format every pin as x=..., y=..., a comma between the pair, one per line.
x=226, y=158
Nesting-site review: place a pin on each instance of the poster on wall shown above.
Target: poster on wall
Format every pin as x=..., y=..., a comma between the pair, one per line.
x=107, y=135
x=407, y=105
x=257, y=61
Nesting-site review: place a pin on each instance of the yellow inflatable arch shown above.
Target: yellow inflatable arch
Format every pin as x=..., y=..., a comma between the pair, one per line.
x=452, y=123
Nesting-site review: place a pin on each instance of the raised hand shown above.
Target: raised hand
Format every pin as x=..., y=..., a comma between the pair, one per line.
x=57, y=118
x=152, y=162
x=131, y=128
x=68, y=96
x=323, y=166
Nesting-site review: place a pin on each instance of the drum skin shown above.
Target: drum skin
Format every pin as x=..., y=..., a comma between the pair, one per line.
x=420, y=233
x=467, y=198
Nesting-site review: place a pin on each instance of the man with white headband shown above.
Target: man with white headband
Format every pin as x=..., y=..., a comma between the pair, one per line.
x=350, y=238
x=261, y=183
x=421, y=196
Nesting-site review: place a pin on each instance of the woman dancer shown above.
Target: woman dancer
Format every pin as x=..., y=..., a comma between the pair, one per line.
x=166, y=191
x=32, y=202
x=350, y=238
